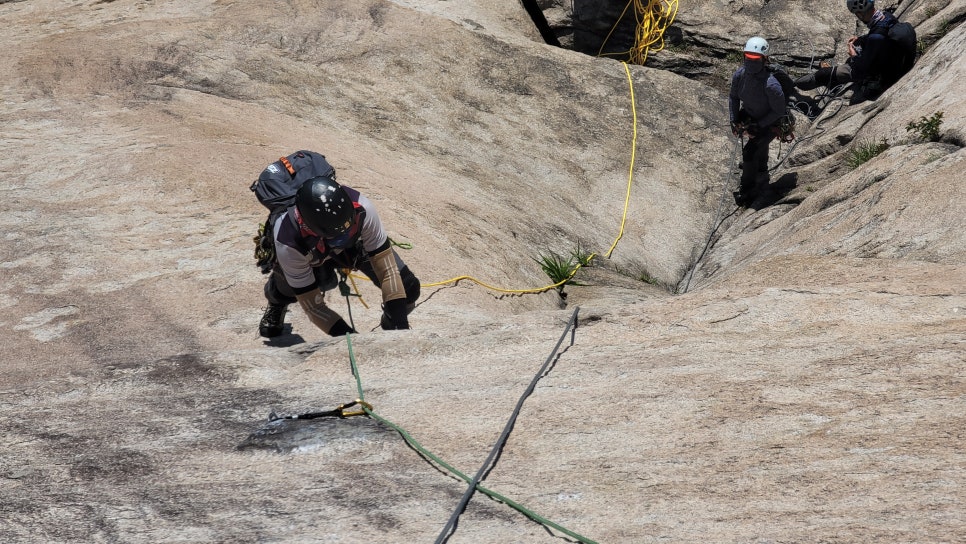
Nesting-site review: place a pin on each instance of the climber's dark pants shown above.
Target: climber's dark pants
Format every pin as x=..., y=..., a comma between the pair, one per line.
x=278, y=291
x=829, y=76
x=754, y=156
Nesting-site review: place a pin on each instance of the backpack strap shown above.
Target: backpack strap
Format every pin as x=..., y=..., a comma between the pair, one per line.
x=287, y=164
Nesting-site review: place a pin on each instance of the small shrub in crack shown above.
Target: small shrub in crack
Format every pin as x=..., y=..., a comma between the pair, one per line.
x=926, y=128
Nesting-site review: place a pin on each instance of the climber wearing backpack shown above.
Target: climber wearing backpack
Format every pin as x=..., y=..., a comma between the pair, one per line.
x=756, y=106
x=876, y=60
x=327, y=228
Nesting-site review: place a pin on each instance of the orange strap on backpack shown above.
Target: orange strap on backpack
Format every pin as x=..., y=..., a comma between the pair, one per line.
x=287, y=165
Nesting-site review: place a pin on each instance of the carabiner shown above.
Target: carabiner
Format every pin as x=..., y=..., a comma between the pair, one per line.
x=366, y=407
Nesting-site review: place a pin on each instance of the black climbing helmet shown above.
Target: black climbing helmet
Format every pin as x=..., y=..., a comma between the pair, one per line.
x=324, y=207
x=859, y=6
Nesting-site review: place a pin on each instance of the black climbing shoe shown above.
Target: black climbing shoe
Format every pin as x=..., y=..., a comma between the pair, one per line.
x=273, y=320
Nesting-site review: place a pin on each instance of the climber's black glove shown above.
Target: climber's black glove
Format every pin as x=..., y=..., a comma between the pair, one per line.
x=395, y=315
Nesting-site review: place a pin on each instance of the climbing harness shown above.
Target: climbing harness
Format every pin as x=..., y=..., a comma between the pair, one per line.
x=339, y=412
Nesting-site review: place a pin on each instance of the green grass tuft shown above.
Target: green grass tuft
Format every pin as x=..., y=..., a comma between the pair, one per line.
x=862, y=152
x=556, y=267
x=582, y=256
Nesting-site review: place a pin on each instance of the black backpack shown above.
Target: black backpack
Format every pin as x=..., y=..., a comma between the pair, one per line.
x=275, y=189
x=903, y=36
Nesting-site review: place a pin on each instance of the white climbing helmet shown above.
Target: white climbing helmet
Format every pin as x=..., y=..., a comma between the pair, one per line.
x=758, y=45
x=859, y=6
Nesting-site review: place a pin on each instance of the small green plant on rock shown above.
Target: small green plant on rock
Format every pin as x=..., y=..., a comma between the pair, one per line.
x=581, y=256
x=864, y=151
x=647, y=278
x=926, y=128
x=556, y=267
x=562, y=269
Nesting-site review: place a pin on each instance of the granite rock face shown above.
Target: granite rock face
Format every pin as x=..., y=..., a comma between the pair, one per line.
x=790, y=372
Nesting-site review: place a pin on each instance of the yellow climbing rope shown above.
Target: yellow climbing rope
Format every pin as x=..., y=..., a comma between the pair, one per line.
x=653, y=18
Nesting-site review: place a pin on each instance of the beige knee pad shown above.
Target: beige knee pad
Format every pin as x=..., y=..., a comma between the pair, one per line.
x=313, y=303
x=384, y=264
